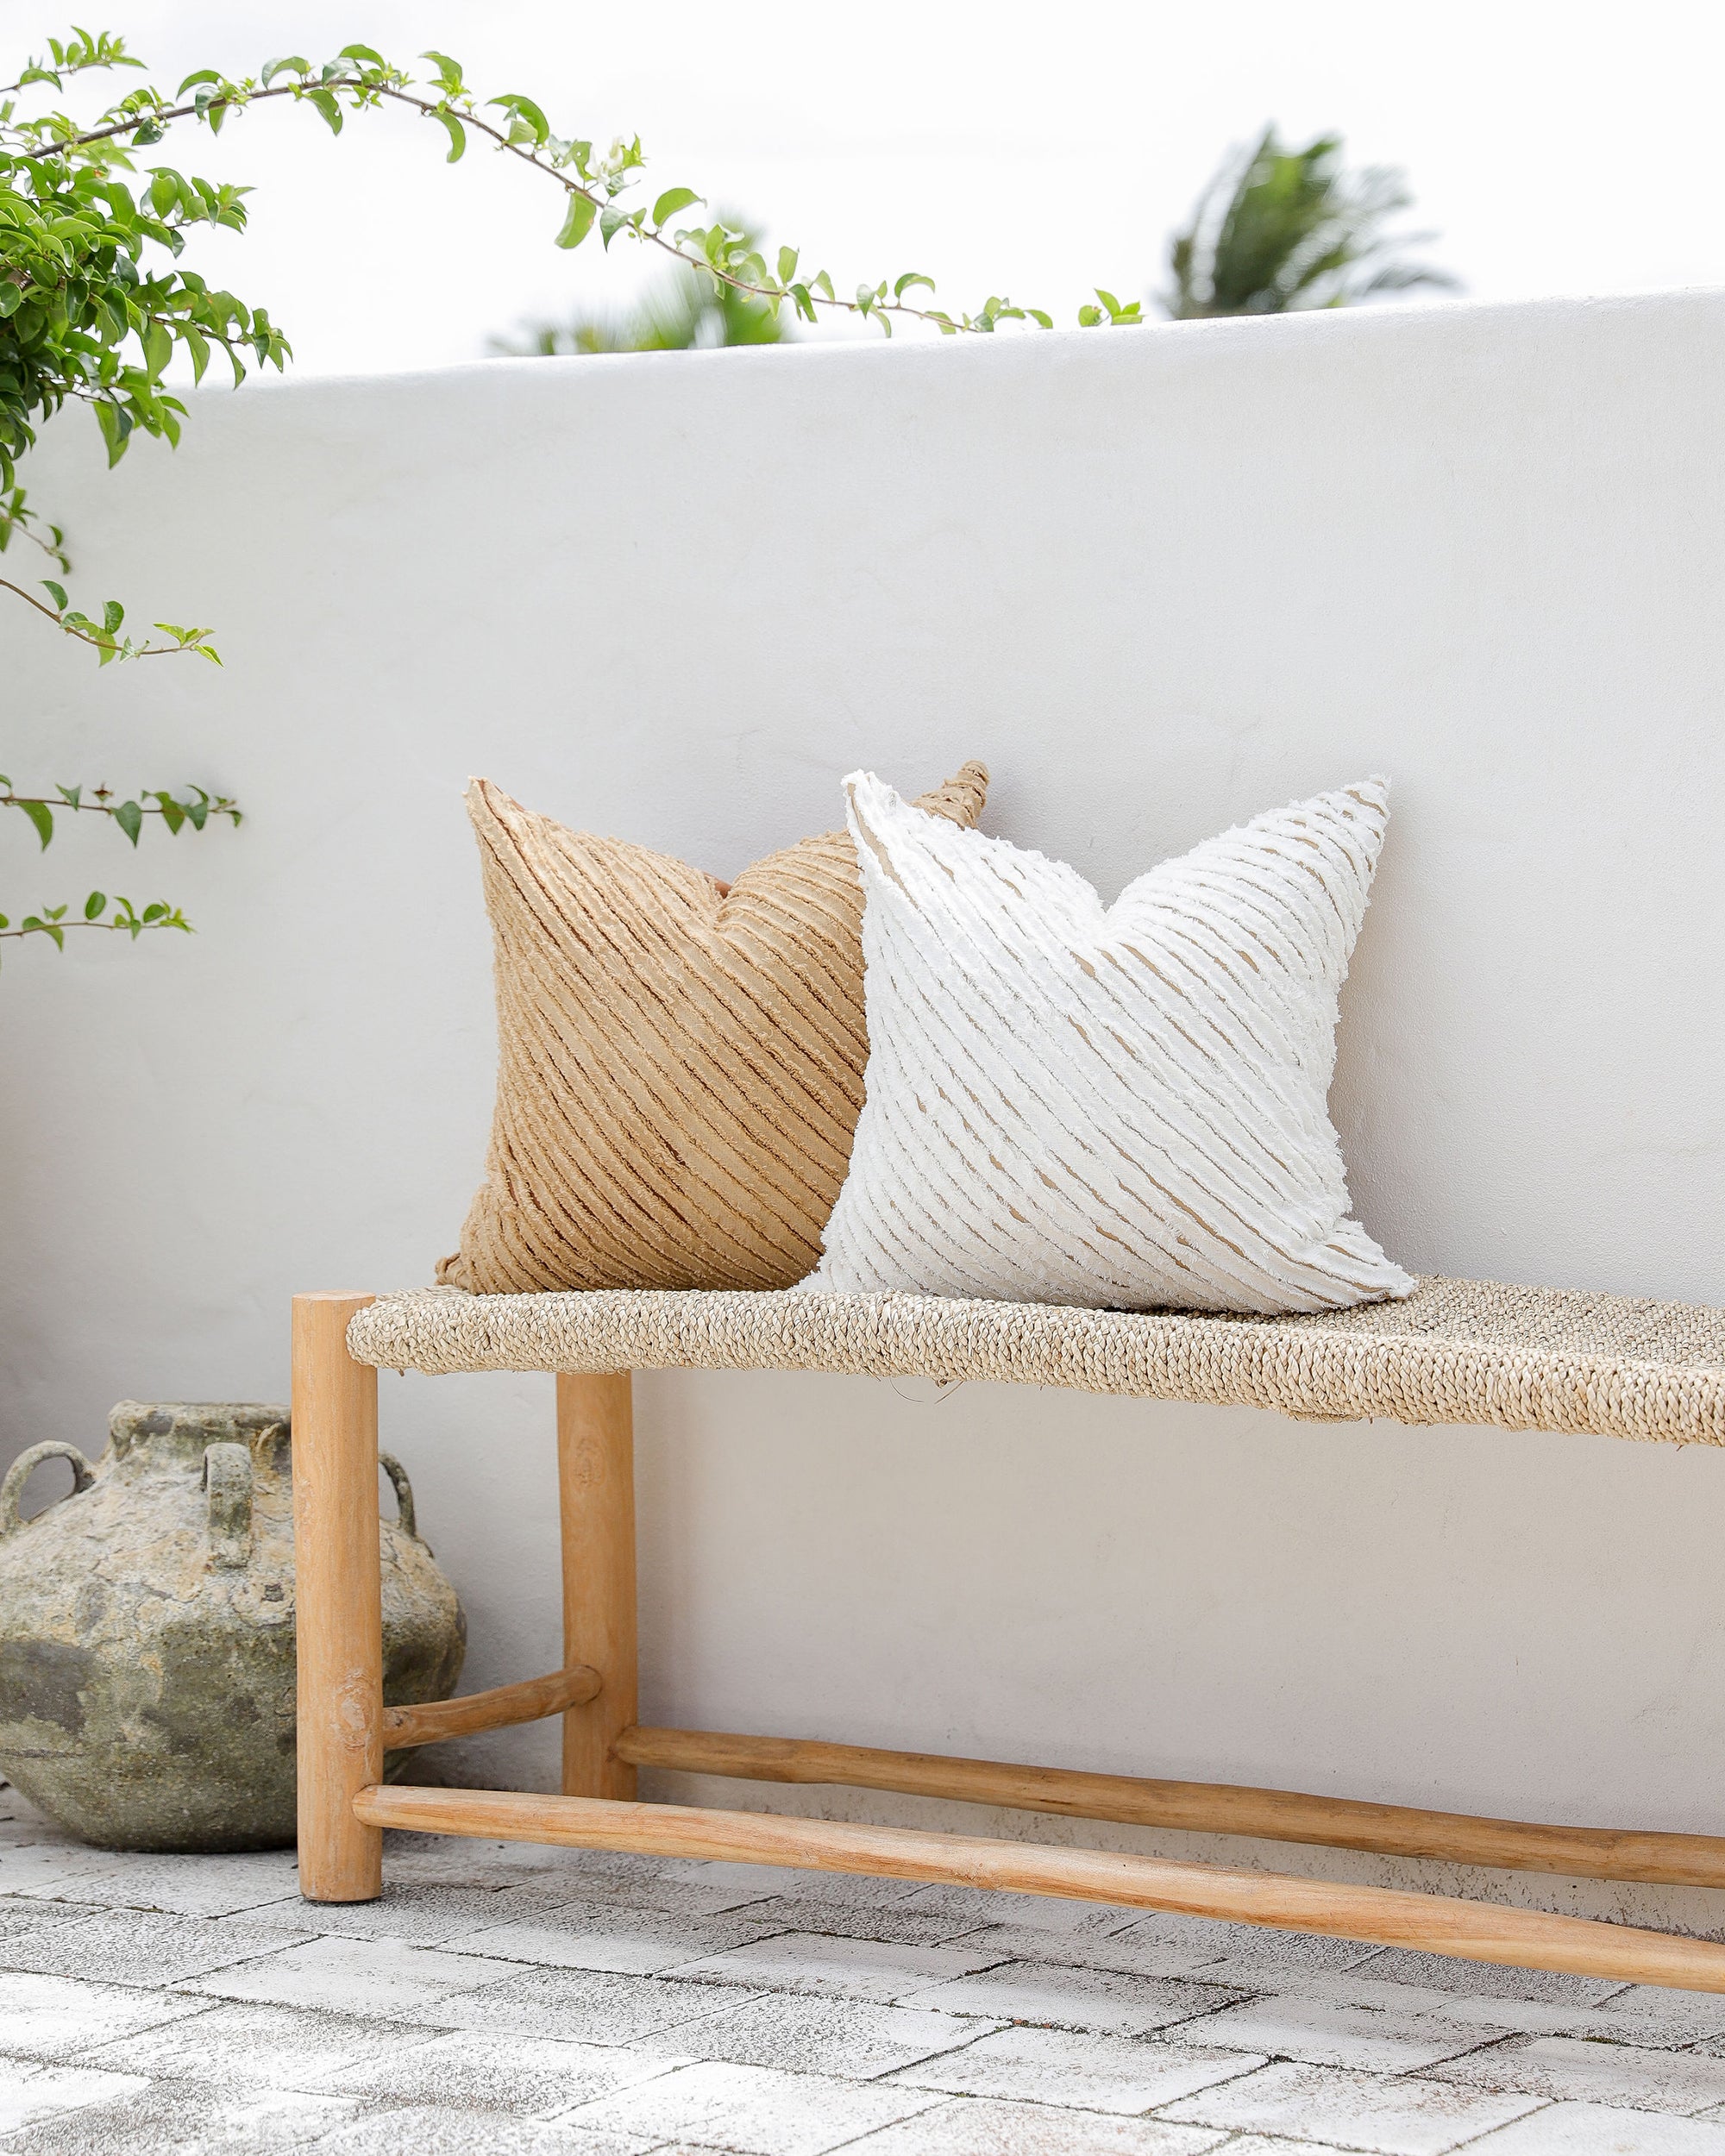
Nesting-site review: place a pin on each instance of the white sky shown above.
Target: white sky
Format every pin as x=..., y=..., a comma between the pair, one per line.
x=1032, y=151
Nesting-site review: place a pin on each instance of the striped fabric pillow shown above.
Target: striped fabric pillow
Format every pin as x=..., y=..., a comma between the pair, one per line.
x=679, y=1063
x=1122, y=1106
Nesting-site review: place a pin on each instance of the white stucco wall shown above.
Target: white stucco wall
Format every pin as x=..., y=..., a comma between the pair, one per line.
x=1160, y=581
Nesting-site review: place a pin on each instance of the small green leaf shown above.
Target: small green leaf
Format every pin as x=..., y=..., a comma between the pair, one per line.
x=294, y=64
x=909, y=279
x=457, y=133
x=155, y=913
x=41, y=816
x=1037, y=315
x=325, y=103
x=787, y=264
x=363, y=52
x=112, y=615
x=673, y=199
x=1088, y=317
x=129, y=816
x=71, y=795
x=610, y=223
x=96, y=904
x=450, y=70
x=115, y=422
x=578, y=220
x=57, y=593
x=524, y=109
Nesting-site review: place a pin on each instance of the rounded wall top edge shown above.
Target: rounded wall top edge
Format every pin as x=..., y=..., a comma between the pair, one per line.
x=1425, y=321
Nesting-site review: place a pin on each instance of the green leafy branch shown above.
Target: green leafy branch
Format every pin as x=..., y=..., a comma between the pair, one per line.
x=81, y=313
x=17, y=516
x=83, y=318
x=103, y=636
x=197, y=809
x=75, y=201
x=80, y=51
x=99, y=911
x=595, y=184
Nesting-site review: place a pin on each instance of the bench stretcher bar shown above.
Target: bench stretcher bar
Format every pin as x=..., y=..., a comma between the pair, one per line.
x=1475, y=1931
x=1204, y=1808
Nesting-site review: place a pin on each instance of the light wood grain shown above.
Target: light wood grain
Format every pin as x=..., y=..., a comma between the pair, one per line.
x=500, y=1707
x=1469, y=1931
x=338, y=1600
x=596, y=1481
x=1205, y=1807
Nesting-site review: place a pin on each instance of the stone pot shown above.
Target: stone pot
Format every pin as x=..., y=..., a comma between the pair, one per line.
x=146, y=1667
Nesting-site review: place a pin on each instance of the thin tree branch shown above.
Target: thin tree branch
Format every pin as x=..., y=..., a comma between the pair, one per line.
x=427, y=108
x=84, y=635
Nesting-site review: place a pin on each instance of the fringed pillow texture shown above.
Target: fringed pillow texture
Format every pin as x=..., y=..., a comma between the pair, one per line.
x=679, y=1067
x=1122, y=1106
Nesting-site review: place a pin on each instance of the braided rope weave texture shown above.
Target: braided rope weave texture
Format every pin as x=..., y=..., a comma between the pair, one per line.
x=1455, y=1352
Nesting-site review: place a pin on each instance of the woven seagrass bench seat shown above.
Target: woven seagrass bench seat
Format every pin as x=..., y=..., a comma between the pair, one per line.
x=1456, y=1352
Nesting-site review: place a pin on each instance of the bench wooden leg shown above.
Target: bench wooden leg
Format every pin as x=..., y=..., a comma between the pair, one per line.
x=338, y=1601
x=596, y=1480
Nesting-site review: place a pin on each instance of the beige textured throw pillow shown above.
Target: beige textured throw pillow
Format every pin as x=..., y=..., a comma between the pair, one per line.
x=679, y=1067
x=1123, y=1105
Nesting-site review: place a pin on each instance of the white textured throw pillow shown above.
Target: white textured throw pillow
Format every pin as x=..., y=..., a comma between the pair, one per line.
x=1122, y=1105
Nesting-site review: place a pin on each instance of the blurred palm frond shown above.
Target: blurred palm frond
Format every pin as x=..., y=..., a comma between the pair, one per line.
x=1279, y=230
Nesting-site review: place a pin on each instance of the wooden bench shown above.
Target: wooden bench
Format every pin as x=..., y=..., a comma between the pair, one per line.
x=1457, y=1351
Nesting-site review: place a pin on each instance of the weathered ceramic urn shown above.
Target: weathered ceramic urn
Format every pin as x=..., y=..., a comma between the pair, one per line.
x=146, y=1667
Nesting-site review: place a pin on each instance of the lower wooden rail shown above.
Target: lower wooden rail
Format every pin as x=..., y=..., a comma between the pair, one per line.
x=500, y=1708
x=1206, y=1808
x=1470, y=1931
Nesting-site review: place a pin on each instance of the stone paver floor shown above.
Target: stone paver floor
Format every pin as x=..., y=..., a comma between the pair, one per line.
x=506, y=2000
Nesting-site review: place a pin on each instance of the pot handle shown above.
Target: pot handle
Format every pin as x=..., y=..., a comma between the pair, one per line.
x=404, y=1494
x=228, y=1478
x=13, y=1488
